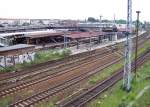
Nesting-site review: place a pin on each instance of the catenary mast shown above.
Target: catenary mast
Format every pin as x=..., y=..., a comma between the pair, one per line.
x=128, y=49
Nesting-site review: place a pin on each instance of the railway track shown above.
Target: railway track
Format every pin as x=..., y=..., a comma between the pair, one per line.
x=44, y=67
x=37, y=97
x=37, y=69
x=24, y=85
x=87, y=96
x=30, y=101
x=49, y=68
x=54, y=90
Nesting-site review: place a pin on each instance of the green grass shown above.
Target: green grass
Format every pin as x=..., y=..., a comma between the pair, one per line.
x=144, y=101
x=144, y=48
x=116, y=97
x=48, y=104
x=105, y=73
x=108, y=71
x=40, y=57
x=5, y=101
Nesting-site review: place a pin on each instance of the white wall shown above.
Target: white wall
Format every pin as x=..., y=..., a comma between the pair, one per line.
x=22, y=58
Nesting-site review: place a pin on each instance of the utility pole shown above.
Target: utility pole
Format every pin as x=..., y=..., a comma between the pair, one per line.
x=90, y=41
x=128, y=49
x=65, y=41
x=114, y=38
x=114, y=19
x=100, y=28
x=100, y=18
x=136, y=45
x=100, y=22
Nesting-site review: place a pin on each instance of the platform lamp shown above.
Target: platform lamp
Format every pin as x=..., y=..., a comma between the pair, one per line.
x=136, y=45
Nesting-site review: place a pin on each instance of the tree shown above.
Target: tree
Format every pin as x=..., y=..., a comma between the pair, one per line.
x=106, y=21
x=92, y=19
x=121, y=21
x=25, y=24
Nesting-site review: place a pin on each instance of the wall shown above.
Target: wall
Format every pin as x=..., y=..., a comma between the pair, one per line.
x=22, y=58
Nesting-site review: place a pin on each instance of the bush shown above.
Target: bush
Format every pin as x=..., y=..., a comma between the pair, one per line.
x=66, y=52
x=123, y=104
x=8, y=69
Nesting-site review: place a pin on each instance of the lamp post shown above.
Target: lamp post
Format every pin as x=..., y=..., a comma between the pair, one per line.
x=100, y=28
x=65, y=41
x=100, y=18
x=100, y=21
x=136, y=45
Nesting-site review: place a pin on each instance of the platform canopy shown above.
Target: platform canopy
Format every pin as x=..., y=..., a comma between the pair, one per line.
x=16, y=49
x=43, y=34
x=80, y=35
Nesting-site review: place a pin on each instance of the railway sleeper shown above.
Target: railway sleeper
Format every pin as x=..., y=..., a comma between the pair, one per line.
x=21, y=86
x=25, y=103
x=6, y=91
x=28, y=101
x=33, y=100
x=44, y=94
x=37, y=98
x=40, y=96
x=10, y=90
x=2, y=93
x=21, y=105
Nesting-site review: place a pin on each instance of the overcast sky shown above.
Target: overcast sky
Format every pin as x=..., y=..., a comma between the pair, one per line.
x=72, y=9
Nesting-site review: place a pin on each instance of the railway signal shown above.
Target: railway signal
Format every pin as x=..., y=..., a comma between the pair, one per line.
x=128, y=49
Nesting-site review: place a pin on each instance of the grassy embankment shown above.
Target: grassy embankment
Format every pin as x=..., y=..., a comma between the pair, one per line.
x=144, y=100
x=116, y=97
x=108, y=71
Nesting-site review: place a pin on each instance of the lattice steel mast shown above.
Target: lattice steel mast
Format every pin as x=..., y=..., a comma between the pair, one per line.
x=128, y=49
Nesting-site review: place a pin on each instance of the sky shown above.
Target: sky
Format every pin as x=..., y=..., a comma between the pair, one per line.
x=72, y=9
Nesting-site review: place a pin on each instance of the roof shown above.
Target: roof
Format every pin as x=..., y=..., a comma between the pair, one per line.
x=76, y=35
x=43, y=34
x=26, y=33
x=15, y=47
x=122, y=29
